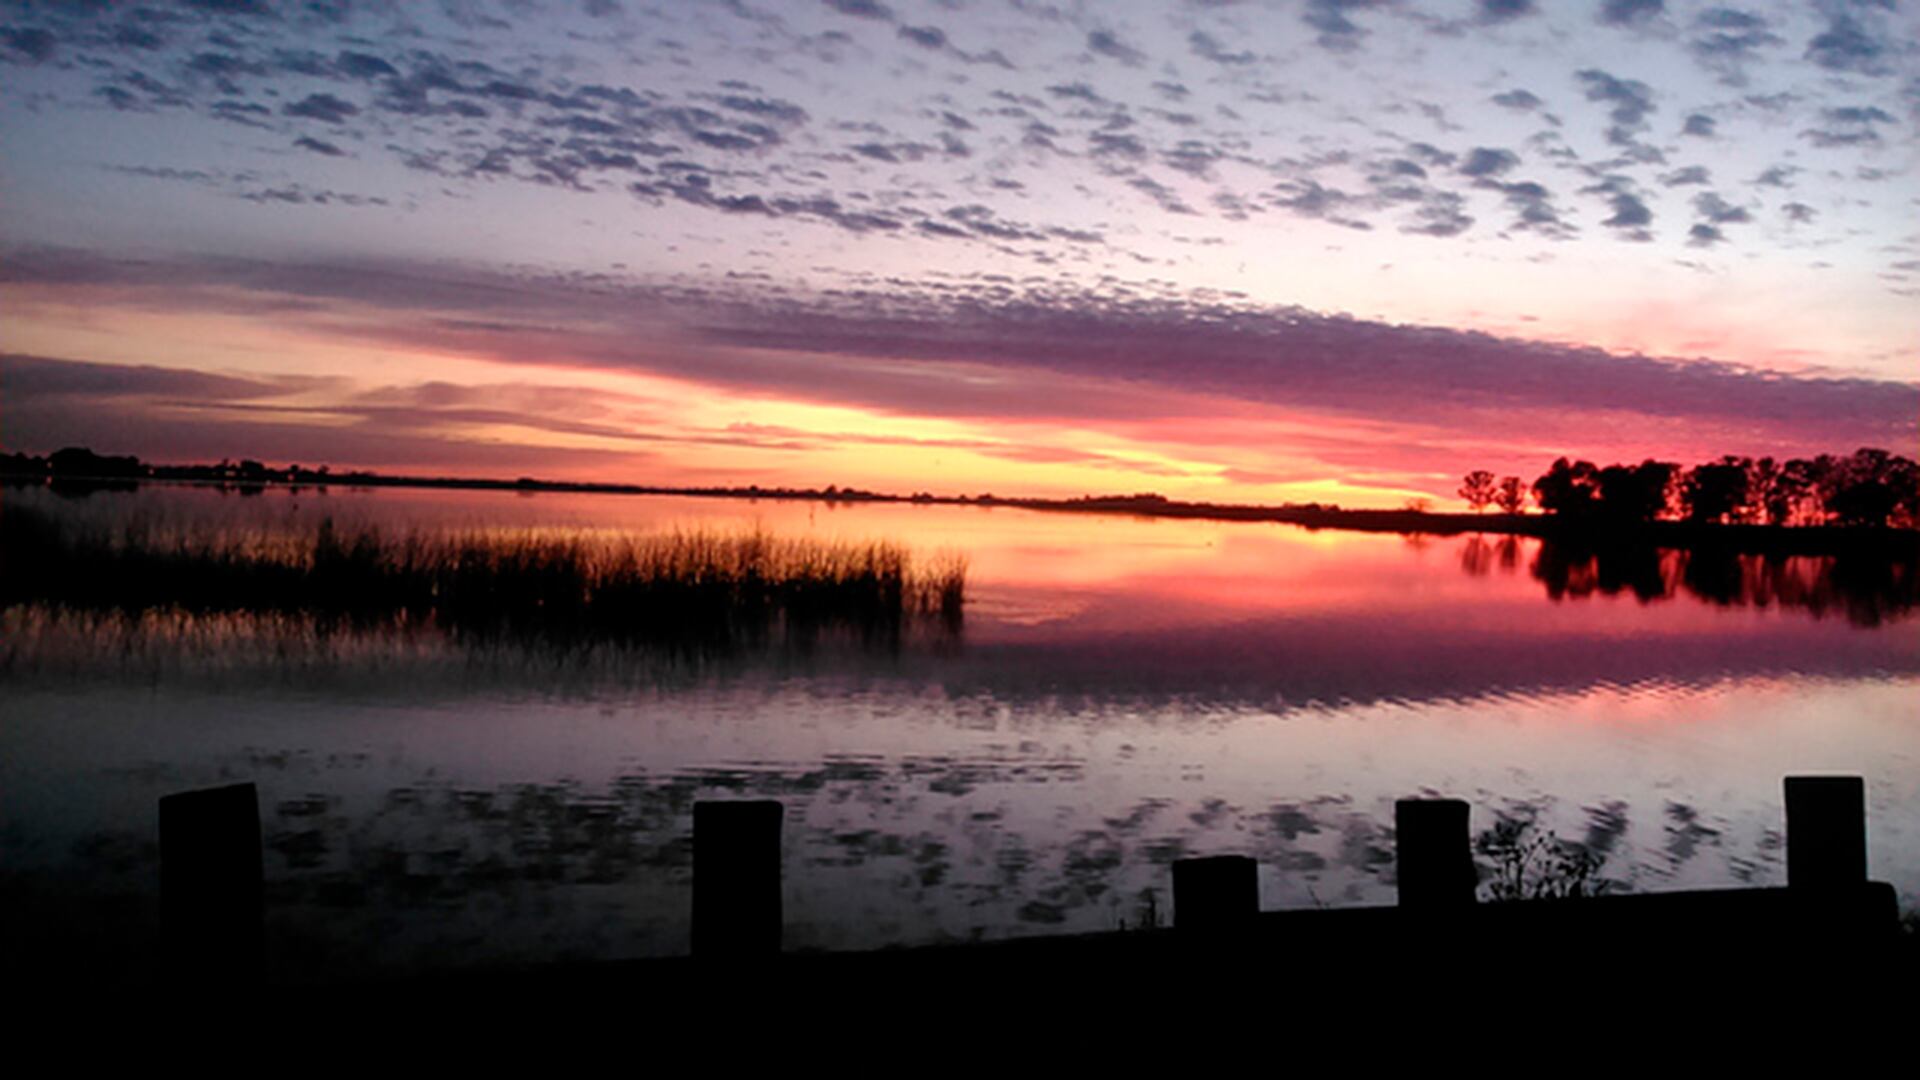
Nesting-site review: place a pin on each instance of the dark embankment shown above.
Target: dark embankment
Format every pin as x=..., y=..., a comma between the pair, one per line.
x=1587, y=532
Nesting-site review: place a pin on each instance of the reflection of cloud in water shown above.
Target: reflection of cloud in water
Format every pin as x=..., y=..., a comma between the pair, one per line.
x=918, y=849
x=433, y=803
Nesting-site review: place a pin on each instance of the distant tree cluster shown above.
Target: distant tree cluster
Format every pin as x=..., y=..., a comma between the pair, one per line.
x=1870, y=487
x=80, y=463
x=1481, y=490
x=74, y=461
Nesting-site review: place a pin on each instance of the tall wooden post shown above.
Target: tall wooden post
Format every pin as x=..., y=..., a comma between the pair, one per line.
x=1826, y=831
x=1215, y=894
x=210, y=882
x=737, y=910
x=1433, y=853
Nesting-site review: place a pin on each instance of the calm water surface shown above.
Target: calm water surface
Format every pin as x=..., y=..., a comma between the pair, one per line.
x=1125, y=692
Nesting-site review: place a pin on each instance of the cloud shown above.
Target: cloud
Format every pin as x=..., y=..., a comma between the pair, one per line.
x=1488, y=161
x=1330, y=18
x=978, y=352
x=1726, y=40
x=323, y=107
x=359, y=65
x=1534, y=206
x=1108, y=44
x=1518, y=100
x=1850, y=125
x=1628, y=212
x=1441, y=214
x=695, y=152
x=1493, y=11
x=1629, y=12
x=35, y=378
x=1193, y=157
x=1692, y=174
x=1162, y=195
x=1630, y=216
x=1207, y=47
x=299, y=195
x=1719, y=211
x=927, y=37
x=233, y=7
x=1628, y=100
x=1077, y=91
x=1853, y=40
x=862, y=9
x=32, y=44
x=319, y=146
x=1308, y=198
x=772, y=109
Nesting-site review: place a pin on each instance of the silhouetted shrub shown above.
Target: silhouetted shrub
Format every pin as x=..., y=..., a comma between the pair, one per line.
x=1530, y=865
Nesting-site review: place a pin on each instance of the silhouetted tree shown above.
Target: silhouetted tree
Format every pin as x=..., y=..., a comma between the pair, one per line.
x=1478, y=489
x=19, y=464
x=80, y=461
x=1714, y=493
x=1763, y=478
x=1874, y=487
x=1511, y=495
x=1568, y=488
x=1635, y=492
x=1793, y=496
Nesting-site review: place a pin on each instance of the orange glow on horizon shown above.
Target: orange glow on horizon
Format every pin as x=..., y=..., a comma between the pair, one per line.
x=491, y=413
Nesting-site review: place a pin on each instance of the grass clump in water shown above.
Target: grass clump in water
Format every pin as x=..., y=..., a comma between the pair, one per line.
x=696, y=588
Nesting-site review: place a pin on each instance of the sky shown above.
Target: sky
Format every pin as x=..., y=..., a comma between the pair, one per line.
x=1317, y=250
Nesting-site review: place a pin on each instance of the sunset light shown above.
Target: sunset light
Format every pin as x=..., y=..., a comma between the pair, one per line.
x=850, y=518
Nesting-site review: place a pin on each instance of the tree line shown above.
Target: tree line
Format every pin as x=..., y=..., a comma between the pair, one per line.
x=1869, y=487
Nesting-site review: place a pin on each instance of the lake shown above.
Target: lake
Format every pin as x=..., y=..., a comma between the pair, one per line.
x=1124, y=692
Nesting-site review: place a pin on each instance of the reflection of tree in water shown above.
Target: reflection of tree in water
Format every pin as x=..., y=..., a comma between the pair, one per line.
x=1868, y=588
x=1478, y=555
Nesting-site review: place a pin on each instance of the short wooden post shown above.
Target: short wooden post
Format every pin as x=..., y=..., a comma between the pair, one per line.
x=210, y=882
x=1435, y=860
x=1826, y=831
x=1216, y=893
x=736, y=878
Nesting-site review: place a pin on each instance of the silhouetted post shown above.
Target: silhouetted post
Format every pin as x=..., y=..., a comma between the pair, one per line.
x=1433, y=853
x=1826, y=831
x=1215, y=894
x=736, y=878
x=210, y=882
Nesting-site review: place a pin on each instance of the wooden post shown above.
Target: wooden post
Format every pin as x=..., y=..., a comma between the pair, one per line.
x=210, y=882
x=1826, y=831
x=1433, y=852
x=736, y=878
x=1217, y=893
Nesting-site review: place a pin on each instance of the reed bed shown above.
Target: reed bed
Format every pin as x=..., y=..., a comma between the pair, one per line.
x=698, y=588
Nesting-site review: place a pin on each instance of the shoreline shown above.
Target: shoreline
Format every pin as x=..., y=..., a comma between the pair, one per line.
x=1753, y=539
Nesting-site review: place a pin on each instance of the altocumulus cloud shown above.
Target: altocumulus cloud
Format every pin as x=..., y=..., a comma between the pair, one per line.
x=897, y=348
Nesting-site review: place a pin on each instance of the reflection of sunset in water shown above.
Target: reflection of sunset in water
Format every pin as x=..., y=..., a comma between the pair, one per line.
x=1124, y=691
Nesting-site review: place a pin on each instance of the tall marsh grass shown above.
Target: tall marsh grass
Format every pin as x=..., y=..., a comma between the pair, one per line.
x=698, y=588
